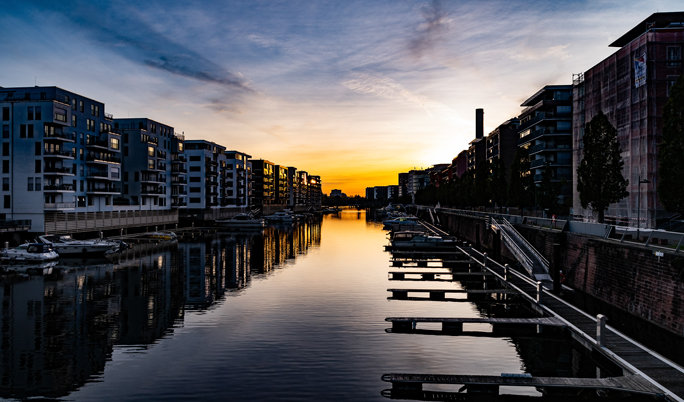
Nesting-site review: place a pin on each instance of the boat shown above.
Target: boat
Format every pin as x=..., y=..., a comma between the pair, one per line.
x=402, y=223
x=280, y=217
x=29, y=252
x=162, y=235
x=416, y=240
x=66, y=245
x=32, y=268
x=242, y=221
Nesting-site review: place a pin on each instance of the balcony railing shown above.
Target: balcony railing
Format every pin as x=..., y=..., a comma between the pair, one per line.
x=58, y=170
x=58, y=135
x=58, y=187
x=58, y=154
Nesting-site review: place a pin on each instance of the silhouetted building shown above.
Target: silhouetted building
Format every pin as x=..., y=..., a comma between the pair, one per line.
x=631, y=87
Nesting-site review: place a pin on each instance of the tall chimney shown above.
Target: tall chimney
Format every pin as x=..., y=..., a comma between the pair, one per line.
x=479, y=123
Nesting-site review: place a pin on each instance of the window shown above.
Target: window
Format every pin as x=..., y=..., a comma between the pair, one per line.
x=22, y=131
x=73, y=103
x=195, y=158
x=92, y=110
x=29, y=131
x=150, y=151
x=38, y=148
x=7, y=202
x=114, y=143
x=74, y=120
x=5, y=184
x=82, y=184
x=114, y=173
x=195, y=179
x=30, y=184
x=195, y=168
x=150, y=164
x=5, y=149
x=193, y=200
x=90, y=201
x=80, y=106
x=195, y=189
x=39, y=114
x=38, y=166
x=90, y=124
x=5, y=166
x=38, y=184
x=29, y=113
x=674, y=56
x=5, y=131
x=61, y=115
x=5, y=113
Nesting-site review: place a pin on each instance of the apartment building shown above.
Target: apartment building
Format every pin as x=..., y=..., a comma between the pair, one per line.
x=179, y=172
x=502, y=143
x=147, y=162
x=546, y=133
x=631, y=87
x=280, y=185
x=263, y=183
x=237, y=179
x=59, y=155
x=203, y=159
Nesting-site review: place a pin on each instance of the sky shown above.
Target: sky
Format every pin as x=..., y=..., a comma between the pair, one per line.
x=355, y=91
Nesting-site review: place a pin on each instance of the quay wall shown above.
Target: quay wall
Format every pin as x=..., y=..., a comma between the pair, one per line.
x=627, y=276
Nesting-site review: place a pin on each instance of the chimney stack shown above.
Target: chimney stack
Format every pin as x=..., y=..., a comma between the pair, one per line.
x=479, y=123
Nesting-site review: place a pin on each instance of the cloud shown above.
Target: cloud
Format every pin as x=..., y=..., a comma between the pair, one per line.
x=125, y=32
x=383, y=87
x=435, y=24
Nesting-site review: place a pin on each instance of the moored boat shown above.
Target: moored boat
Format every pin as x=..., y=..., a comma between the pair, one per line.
x=66, y=245
x=29, y=252
x=280, y=217
x=419, y=240
x=242, y=221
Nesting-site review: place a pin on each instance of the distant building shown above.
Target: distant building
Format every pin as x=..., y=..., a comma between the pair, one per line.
x=314, y=192
x=179, y=173
x=459, y=165
x=631, y=87
x=546, y=133
x=477, y=150
x=292, y=186
x=337, y=193
x=146, y=163
x=237, y=179
x=204, y=158
x=263, y=183
x=403, y=184
x=280, y=185
x=417, y=180
x=502, y=143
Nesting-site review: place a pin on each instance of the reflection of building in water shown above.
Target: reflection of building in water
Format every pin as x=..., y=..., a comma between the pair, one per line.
x=151, y=297
x=58, y=331
x=278, y=244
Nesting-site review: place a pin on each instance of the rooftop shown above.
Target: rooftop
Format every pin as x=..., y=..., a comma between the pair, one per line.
x=655, y=20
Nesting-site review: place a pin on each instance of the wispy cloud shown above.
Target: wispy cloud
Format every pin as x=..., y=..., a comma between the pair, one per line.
x=384, y=87
x=434, y=26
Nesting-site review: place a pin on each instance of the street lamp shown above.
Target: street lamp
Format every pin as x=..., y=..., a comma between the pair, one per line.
x=639, y=183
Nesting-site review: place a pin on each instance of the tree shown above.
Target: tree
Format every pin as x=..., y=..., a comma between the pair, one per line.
x=599, y=175
x=670, y=160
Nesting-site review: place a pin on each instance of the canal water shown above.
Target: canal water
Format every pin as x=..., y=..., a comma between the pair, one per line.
x=295, y=313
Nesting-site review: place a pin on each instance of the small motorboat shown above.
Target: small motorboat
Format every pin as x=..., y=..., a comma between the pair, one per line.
x=242, y=221
x=66, y=245
x=29, y=252
x=163, y=235
x=280, y=217
x=419, y=240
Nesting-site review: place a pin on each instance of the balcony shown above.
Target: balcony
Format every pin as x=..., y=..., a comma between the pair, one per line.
x=97, y=143
x=57, y=171
x=537, y=163
x=103, y=189
x=58, y=135
x=152, y=178
x=101, y=157
x=58, y=153
x=152, y=190
x=100, y=174
x=58, y=206
x=58, y=188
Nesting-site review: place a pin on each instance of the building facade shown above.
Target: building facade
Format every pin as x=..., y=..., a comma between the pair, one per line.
x=147, y=166
x=263, y=183
x=546, y=134
x=237, y=179
x=59, y=155
x=631, y=87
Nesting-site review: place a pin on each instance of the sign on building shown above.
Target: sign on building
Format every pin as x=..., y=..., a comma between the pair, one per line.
x=640, y=70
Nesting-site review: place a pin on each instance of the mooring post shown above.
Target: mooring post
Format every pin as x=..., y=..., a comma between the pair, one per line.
x=600, y=329
x=506, y=272
x=484, y=260
x=539, y=291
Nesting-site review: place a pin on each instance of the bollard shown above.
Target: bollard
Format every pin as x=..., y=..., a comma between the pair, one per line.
x=539, y=291
x=484, y=260
x=506, y=272
x=600, y=329
x=6, y=245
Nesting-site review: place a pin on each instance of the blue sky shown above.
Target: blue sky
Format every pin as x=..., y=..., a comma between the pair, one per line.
x=355, y=91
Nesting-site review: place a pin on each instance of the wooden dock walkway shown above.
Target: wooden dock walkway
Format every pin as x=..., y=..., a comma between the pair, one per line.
x=454, y=325
x=627, y=353
x=408, y=385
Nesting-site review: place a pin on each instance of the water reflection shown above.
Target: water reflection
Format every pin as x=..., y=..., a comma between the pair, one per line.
x=58, y=331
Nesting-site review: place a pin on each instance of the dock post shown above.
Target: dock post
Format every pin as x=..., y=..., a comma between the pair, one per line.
x=484, y=260
x=539, y=291
x=600, y=330
x=506, y=272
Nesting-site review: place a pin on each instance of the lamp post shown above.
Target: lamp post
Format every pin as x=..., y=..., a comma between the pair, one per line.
x=639, y=182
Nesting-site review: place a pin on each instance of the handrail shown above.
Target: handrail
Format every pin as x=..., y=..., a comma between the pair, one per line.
x=527, y=243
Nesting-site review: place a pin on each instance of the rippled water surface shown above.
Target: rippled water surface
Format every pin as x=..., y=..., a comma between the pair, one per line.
x=293, y=314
